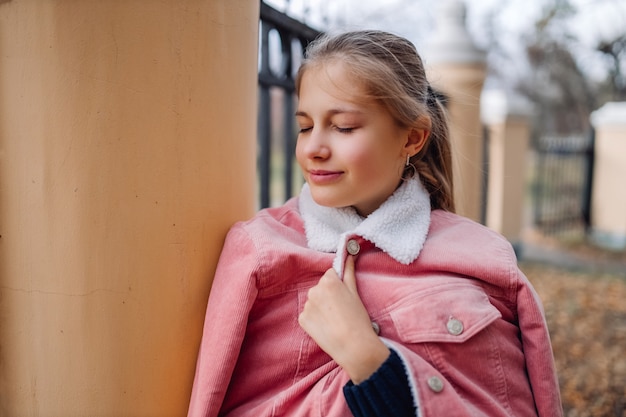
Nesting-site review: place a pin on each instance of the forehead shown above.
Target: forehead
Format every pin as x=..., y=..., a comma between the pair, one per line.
x=333, y=78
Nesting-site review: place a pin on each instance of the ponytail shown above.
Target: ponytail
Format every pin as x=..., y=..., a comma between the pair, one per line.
x=434, y=162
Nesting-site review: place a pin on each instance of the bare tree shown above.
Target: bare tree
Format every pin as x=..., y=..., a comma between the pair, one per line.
x=554, y=69
x=562, y=93
x=614, y=87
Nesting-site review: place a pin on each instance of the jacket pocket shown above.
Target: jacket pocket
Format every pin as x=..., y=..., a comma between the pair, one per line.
x=450, y=313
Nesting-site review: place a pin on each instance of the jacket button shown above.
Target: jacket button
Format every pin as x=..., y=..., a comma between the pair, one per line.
x=455, y=327
x=353, y=247
x=435, y=384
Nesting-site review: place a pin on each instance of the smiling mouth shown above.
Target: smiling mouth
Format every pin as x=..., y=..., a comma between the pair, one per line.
x=324, y=177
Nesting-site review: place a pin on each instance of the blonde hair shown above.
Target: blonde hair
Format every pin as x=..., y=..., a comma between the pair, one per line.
x=393, y=73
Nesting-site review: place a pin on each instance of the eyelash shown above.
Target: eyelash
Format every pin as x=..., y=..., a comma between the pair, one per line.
x=344, y=130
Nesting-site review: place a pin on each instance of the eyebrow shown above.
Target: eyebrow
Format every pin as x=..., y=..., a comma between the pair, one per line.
x=332, y=112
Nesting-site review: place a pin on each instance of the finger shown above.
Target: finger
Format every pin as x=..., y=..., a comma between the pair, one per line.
x=328, y=280
x=349, y=277
x=330, y=273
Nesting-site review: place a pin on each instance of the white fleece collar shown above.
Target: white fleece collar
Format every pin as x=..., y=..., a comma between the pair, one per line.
x=398, y=227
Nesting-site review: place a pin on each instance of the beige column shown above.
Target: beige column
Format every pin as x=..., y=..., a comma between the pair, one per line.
x=608, y=204
x=507, y=121
x=127, y=149
x=457, y=68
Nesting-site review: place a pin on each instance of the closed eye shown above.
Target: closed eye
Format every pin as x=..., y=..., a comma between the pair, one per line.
x=345, y=130
x=305, y=129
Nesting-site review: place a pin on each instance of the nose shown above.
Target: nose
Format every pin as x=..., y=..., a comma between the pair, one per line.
x=314, y=145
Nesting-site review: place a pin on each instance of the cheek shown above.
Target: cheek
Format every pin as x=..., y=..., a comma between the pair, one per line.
x=374, y=163
x=362, y=160
x=299, y=153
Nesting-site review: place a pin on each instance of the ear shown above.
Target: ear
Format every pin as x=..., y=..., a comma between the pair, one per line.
x=417, y=136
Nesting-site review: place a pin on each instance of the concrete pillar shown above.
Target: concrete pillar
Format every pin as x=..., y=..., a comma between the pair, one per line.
x=608, y=203
x=127, y=149
x=458, y=69
x=507, y=120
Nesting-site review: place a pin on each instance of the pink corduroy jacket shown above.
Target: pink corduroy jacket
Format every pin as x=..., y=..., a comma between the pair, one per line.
x=446, y=294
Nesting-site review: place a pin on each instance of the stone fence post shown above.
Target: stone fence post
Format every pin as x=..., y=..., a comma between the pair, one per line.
x=457, y=68
x=608, y=201
x=507, y=120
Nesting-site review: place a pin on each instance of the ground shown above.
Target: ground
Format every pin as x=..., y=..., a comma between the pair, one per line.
x=586, y=314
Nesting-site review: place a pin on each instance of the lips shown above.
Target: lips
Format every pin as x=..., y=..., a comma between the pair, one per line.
x=321, y=177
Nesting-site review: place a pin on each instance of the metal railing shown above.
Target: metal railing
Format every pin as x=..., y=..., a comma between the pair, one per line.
x=562, y=184
x=282, y=44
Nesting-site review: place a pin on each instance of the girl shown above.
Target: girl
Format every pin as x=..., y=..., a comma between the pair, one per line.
x=366, y=295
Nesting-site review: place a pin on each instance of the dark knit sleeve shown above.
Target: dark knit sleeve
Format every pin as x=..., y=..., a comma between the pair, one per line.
x=385, y=393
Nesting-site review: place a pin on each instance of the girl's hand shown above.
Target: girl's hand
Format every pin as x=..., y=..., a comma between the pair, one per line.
x=335, y=317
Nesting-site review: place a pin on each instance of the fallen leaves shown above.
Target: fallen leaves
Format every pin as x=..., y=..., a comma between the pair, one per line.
x=586, y=315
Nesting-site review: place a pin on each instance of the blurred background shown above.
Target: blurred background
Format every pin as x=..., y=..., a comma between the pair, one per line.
x=546, y=49
x=536, y=92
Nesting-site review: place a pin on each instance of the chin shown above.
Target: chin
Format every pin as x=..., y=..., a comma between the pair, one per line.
x=328, y=201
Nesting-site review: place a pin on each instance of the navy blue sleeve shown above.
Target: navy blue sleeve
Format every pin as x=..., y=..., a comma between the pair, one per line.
x=385, y=393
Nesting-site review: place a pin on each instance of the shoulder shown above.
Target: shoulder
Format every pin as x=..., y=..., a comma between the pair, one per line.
x=466, y=234
x=272, y=224
x=460, y=245
x=273, y=247
x=270, y=229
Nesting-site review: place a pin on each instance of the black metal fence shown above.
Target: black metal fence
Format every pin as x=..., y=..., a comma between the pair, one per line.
x=562, y=184
x=282, y=44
